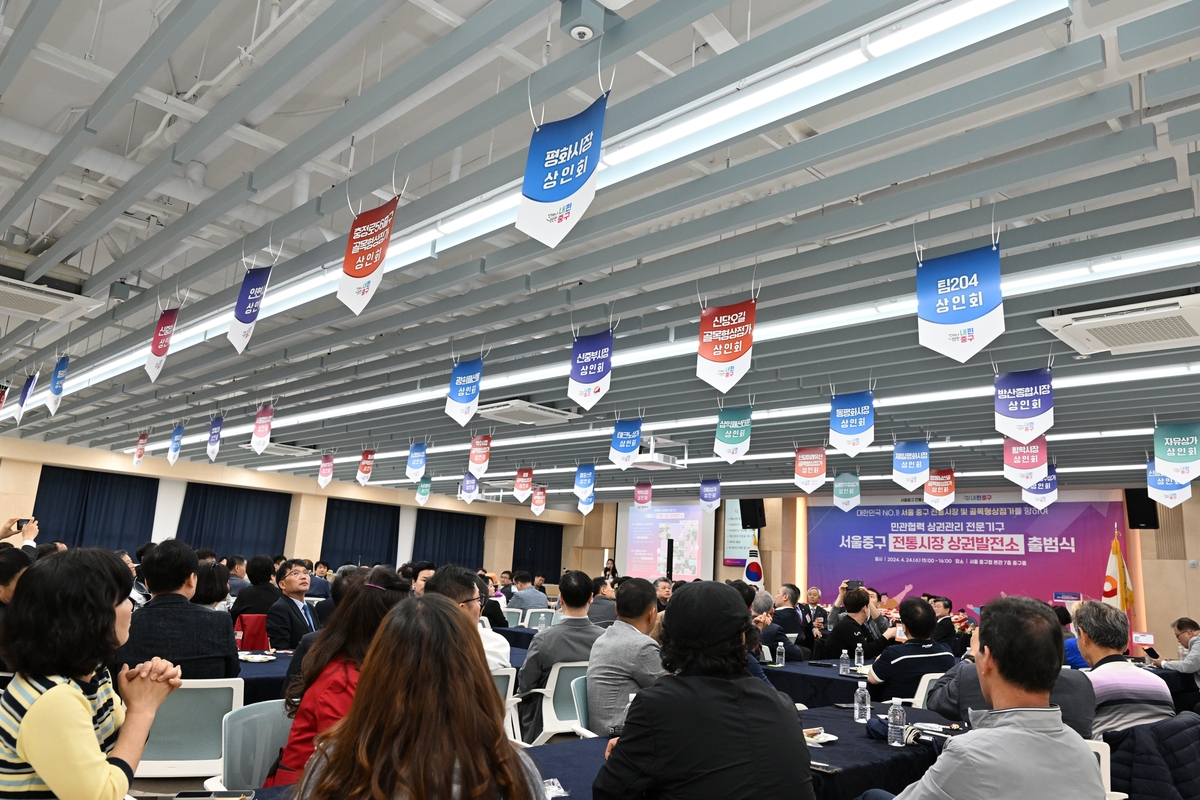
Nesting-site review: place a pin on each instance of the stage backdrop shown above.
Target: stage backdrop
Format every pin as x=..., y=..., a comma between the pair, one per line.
x=970, y=552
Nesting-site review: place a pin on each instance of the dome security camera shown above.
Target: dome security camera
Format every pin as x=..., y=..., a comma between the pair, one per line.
x=581, y=33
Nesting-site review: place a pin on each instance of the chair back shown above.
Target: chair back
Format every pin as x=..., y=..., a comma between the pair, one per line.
x=484, y=622
x=535, y=616
x=766, y=652
x=186, y=739
x=561, y=694
x=252, y=737
x=558, y=615
x=506, y=684
x=792, y=637
x=250, y=631
x=1103, y=761
x=506, y=681
x=579, y=695
x=514, y=616
x=927, y=680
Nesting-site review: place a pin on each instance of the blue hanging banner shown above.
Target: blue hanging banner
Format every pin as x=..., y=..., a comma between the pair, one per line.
x=249, y=303
x=560, y=174
x=585, y=480
x=415, y=468
x=176, y=445
x=57, y=378
x=1163, y=489
x=462, y=399
x=25, y=396
x=626, y=439
x=910, y=464
x=585, y=504
x=469, y=489
x=591, y=368
x=960, y=309
x=1024, y=404
x=214, y=437
x=1045, y=491
x=852, y=422
x=710, y=493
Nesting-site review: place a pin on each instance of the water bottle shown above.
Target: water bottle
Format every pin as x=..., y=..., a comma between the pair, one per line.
x=844, y=665
x=862, y=704
x=858, y=656
x=896, y=721
x=779, y=654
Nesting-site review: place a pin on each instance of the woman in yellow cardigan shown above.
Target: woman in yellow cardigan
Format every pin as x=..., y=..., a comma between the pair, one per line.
x=63, y=729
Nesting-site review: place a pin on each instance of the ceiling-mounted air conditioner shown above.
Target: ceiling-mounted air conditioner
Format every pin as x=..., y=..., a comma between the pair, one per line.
x=1144, y=327
x=31, y=301
x=522, y=412
x=276, y=449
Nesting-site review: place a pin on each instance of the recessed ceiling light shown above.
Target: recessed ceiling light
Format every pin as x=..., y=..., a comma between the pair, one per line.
x=1081, y=357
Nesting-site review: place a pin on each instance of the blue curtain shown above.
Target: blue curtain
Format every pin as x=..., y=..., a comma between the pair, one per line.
x=81, y=508
x=359, y=533
x=231, y=520
x=444, y=537
x=537, y=547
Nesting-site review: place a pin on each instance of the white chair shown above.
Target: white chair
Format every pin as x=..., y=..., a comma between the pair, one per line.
x=514, y=616
x=1104, y=762
x=186, y=739
x=251, y=738
x=312, y=601
x=579, y=695
x=506, y=684
x=927, y=680
x=766, y=653
x=535, y=616
x=558, y=704
x=484, y=622
x=558, y=615
x=791, y=637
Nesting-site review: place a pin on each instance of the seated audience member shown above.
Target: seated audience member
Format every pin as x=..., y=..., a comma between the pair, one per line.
x=525, y=596
x=814, y=616
x=169, y=627
x=876, y=624
x=570, y=640
x=753, y=636
x=421, y=572
x=787, y=617
x=323, y=691
x=324, y=608
x=506, y=585
x=539, y=582
x=276, y=561
x=1187, y=633
x=140, y=555
x=1020, y=749
x=898, y=670
x=624, y=660
x=212, y=584
x=686, y=737
x=462, y=587
x=1064, y=618
x=317, y=586
x=28, y=533
x=321, y=570
x=943, y=631
x=663, y=588
x=13, y=563
x=389, y=746
x=1126, y=694
x=237, y=574
x=763, y=612
x=205, y=554
x=851, y=628
x=262, y=592
x=66, y=733
x=290, y=618
x=603, y=611
x=491, y=609
x=48, y=549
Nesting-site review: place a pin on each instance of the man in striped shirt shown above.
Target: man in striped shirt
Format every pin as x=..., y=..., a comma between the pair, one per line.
x=1126, y=694
x=898, y=670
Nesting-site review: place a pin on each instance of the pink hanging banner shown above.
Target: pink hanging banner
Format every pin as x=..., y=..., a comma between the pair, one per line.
x=366, y=249
x=139, y=450
x=939, y=489
x=481, y=453
x=262, y=428
x=325, y=475
x=538, y=504
x=1025, y=464
x=810, y=468
x=523, y=485
x=160, y=342
x=642, y=494
x=365, y=465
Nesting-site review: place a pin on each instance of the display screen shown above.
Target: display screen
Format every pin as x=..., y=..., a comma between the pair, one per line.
x=646, y=541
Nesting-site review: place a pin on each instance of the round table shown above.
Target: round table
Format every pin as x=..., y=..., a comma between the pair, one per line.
x=517, y=637
x=815, y=687
x=264, y=681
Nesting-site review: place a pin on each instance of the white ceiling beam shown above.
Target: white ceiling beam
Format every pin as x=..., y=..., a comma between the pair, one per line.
x=718, y=38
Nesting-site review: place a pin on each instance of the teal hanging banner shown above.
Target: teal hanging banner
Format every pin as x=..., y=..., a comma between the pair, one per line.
x=1177, y=451
x=847, y=492
x=733, y=433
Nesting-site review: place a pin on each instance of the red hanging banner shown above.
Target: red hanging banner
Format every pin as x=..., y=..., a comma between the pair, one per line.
x=523, y=485
x=365, y=251
x=481, y=453
x=262, y=428
x=810, y=468
x=538, y=504
x=642, y=494
x=139, y=449
x=1026, y=464
x=939, y=489
x=726, y=338
x=325, y=475
x=365, y=465
x=160, y=342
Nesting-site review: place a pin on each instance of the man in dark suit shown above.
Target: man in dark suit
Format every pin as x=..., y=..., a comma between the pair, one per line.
x=944, y=630
x=261, y=594
x=813, y=615
x=763, y=612
x=786, y=614
x=198, y=639
x=290, y=618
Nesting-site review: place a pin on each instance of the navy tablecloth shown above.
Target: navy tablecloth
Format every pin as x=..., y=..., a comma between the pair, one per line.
x=815, y=687
x=1177, y=682
x=264, y=681
x=517, y=637
x=516, y=656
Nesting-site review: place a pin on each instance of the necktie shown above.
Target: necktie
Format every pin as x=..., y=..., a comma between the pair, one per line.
x=308, y=618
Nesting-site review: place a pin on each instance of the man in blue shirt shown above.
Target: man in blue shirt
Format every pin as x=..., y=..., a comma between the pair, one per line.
x=898, y=670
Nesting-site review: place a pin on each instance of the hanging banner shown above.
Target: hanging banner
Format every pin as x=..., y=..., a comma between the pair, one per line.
x=160, y=342
x=481, y=454
x=176, y=445
x=415, y=467
x=215, y=426
x=726, y=339
x=852, y=422
x=469, y=490
x=733, y=433
x=26, y=395
x=960, y=309
x=1177, y=451
x=585, y=480
x=57, y=378
x=325, y=473
x=910, y=464
x=810, y=468
x=626, y=441
x=710, y=494
x=586, y=504
x=262, y=428
x=560, y=174
x=538, y=504
x=1163, y=489
x=366, y=248
x=462, y=399
x=4, y=390
x=939, y=489
x=591, y=368
x=847, y=492
x=424, y=489
x=1025, y=464
x=249, y=303
x=365, y=466
x=642, y=495
x=139, y=450
x=523, y=484
x=1024, y=404
x=1044, y=492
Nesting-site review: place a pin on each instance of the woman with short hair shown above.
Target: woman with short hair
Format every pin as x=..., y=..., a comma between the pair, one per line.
x=212, y=584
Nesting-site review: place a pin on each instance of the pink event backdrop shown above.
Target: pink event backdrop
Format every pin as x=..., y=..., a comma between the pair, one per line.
x=969, y=553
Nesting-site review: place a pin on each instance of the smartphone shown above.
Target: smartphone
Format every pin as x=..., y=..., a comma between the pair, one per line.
x=853, y=585
x=21, y=523
x=1150, y=651
x=843, y=705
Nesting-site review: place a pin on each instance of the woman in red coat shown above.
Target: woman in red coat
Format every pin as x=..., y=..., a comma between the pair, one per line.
x=322, y=693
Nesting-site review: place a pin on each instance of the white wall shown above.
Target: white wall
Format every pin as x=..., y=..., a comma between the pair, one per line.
x=168, y=508
x=406, y=535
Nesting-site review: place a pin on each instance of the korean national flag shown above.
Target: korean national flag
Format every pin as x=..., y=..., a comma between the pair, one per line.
x=560, y=174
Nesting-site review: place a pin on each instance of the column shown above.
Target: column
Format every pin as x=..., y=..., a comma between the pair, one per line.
x=306, y=526
x=499, y=533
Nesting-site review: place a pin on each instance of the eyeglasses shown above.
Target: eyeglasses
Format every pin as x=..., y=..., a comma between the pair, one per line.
x=481, y=600
x=296, y=572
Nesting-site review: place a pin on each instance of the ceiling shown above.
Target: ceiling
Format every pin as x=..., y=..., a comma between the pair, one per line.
x=154, y=144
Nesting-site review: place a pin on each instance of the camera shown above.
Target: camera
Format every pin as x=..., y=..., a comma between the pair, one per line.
x=582, y=33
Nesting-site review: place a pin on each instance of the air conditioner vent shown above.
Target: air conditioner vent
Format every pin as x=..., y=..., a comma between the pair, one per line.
x=275, y=449
x=1133, y=334
x=31, y=301
x=522, y=412
x=1140, y=328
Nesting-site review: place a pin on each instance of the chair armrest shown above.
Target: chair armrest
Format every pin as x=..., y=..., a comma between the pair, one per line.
x=512, y=702
x=531, y=692
x=582, y=732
